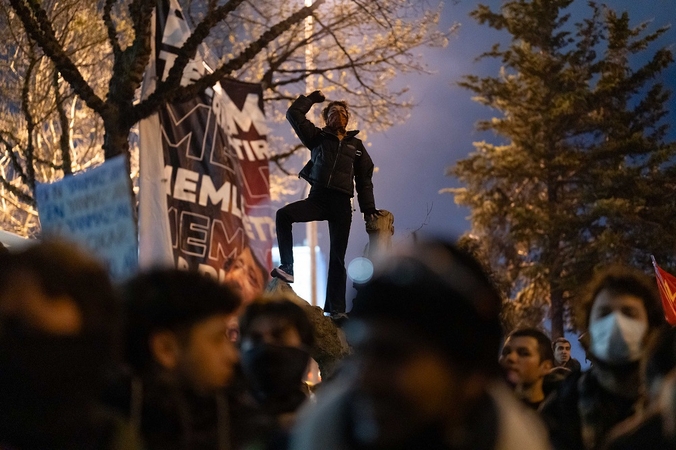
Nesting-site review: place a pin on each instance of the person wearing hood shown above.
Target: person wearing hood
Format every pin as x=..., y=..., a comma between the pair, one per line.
x=338, y=162
x=619, y=314
x=276, y=338
x=425, y=332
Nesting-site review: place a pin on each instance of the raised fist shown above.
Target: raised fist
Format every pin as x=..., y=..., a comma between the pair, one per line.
x=316, y=97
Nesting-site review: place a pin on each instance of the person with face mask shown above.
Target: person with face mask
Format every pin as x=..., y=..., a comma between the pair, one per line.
x=654, y=426
x=339, y=164
x=620, y=312
x=276, y=338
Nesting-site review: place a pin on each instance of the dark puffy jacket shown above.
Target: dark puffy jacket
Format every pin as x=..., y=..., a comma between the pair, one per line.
x=333, y=164
x=580, y=402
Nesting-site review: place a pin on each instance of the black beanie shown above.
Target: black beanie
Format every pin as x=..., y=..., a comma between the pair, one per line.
x=442, y=294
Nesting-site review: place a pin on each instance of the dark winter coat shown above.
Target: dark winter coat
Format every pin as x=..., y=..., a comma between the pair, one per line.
x=580, y=402
x=334, y=164
x=649, y=432
x=573, y=365
x=171, y=418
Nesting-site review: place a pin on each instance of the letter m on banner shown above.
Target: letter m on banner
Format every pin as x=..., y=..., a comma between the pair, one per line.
x=204, y=197
x=666, y=282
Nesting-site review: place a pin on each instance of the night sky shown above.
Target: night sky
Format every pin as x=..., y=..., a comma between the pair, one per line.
x=411, y=158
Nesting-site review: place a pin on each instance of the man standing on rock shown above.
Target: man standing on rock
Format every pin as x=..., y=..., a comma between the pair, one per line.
x=338, y=162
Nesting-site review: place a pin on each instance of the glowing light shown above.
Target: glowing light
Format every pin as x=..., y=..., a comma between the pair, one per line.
x=360, y=270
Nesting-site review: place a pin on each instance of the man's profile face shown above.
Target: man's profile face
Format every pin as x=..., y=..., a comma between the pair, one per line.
x=562, y=352
x=337, y=117
x=208, y=357
x=520, y=359
x=402, y=384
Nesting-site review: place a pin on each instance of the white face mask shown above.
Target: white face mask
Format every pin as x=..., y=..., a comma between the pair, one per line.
x=617, y=338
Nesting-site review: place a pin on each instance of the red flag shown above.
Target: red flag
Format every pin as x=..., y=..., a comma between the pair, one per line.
x=666, y=282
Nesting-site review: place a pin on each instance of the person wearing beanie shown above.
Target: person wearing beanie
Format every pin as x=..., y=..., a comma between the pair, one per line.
x=425, y=334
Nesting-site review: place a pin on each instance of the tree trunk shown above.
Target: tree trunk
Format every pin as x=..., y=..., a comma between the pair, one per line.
x=556, y=312
x=115, y=143
x=380, y=231
x=116, y=137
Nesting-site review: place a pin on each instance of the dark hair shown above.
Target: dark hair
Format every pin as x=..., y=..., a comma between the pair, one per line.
x=622, y=280
x=282, y=308
x=442, y=294
x=62, y=268
x=559, y=340
x=544, y=343
x=169, y=299
x=325, y=111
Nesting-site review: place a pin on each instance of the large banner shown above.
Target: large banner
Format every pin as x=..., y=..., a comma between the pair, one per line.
x=214, y=174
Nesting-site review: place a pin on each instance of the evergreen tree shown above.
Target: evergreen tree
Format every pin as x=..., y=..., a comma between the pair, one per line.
x=582, y=177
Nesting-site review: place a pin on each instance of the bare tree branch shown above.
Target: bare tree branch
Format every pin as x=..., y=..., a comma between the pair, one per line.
x=64, y=136
x=278, y=158
x=38, y=27
x=15, y=162
x=147, y=107
x=110, y=28
x=25, y=198
x=30, y=125
x=190, y=46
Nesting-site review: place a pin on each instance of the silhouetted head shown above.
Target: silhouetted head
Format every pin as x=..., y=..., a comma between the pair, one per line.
x=177, y=321
x=426, y=334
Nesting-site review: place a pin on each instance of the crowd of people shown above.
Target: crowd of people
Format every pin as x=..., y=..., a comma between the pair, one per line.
x=152, y=363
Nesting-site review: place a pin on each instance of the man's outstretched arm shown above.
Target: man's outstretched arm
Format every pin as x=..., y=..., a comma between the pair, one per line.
x=296, y=115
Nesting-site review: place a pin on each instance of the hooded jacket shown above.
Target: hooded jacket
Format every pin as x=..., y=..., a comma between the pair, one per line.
x=334, y=164
x=327, y=425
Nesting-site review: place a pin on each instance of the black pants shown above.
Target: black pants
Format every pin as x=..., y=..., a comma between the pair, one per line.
x=321, y=204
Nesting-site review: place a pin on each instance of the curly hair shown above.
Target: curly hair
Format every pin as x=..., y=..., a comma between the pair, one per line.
x=325, y=111
x=621, y=280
